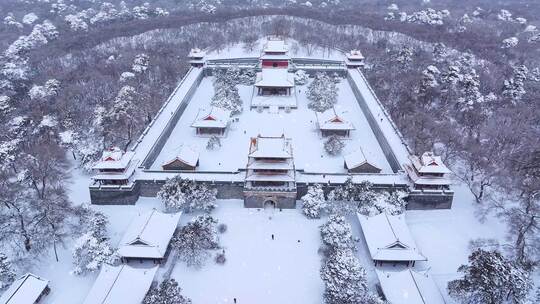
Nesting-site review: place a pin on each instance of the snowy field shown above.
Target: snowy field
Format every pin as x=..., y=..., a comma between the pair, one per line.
x=299, y=124
x=259, y=269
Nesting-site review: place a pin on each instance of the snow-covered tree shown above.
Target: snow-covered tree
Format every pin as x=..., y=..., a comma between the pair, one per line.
x=5, y=106
x=76, y=22
x=10, y=21
x=514, y=88
x=7, y=275
x=213, y=143
x=196, y=239
x=107, y=13
x=168, y=292
x=336, y=233
x=345, y=280
x=301, y=77
x=50, y=88
x=125, y=116
x=429, y=78
x=350, y=198
x=490, y=278
x=333, y=145
x=226, y=93
x=391, y=202
x=140, y=63
x=187, y=195
x=504, y=15
x=92, y=249
x=404, y=56
x=30, y=18
x=322, y=93
x=313, y=202
x=510, y=42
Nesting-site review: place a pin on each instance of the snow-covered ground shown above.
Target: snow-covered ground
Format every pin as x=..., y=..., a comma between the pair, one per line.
x=444, y=235
x=299, y=124
x=296, y=50
x=279, y=271
x=259, y=269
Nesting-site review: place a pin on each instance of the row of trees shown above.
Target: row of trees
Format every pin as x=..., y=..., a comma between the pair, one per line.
x=351, y=198
x=343, y=276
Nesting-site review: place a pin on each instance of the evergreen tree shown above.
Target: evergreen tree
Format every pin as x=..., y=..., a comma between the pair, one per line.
x=7, y=275
x=195, y=239
x=322, y=93
x=92, y=249
x=391, y=202
x=187, y=195
x=213, y=143
x=168, y=292
x=490, y=278
x=313, y=202
x=301, y=77
x=345, y=279
x=333, y=145
x=336, y=233
x=226, y=93
x=350, y=198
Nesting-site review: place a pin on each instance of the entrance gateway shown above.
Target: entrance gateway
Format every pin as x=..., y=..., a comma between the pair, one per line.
x=269, y=204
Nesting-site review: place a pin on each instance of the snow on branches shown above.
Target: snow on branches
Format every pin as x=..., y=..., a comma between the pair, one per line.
x=196, y=239
x=490, y=278
x=313, y=202
x=50, y=88
x=226, y=93
x=301, y=77
x=140, y=63
x=345, y=280
x=343, y=276
x=187, y=195
x=168, y=292
x=7, y=275
x=322, y=93
x=336, y=233
x=514, y=88
x=92, y=249
x=333, y=145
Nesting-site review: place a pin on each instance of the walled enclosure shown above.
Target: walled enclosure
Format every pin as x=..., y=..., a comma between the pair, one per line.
x=234, y=190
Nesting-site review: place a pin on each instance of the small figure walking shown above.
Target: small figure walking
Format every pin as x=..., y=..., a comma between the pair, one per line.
x=272, y=237
x=234, y=300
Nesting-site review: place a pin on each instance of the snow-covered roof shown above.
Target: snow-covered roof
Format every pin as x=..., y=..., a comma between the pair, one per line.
x=389, y=239
x=270, y=147
x=275, y=57
x=148, y=235
x=114, y=158
x=213, y=118
x=186, y=155
x=125, y=175
x=330, y=120
x=277, y=78
x=196, y=53
x=429, y=163
x=409, y=287
x=257, y=165
x=25, y=290
x=275, y=46
x=357, y=158
x=355, y=55
x=270, y=178
x=121, y=284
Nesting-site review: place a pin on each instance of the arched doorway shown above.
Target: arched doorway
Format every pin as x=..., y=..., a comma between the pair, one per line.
x=269, y=204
